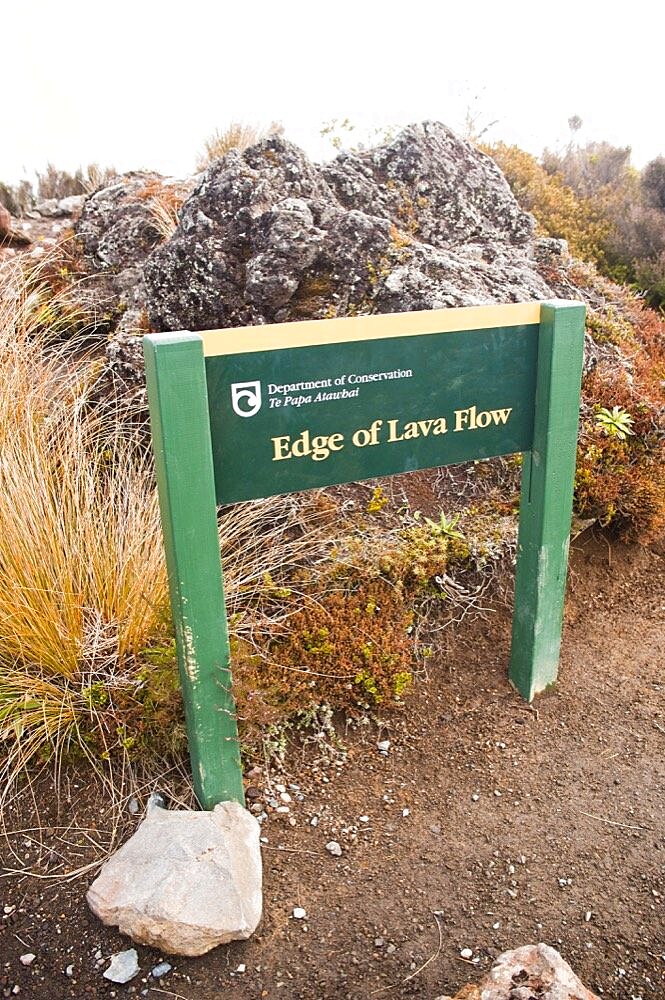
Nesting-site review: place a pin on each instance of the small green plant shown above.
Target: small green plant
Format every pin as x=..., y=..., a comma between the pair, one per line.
x=443, y=528
x=615, y=422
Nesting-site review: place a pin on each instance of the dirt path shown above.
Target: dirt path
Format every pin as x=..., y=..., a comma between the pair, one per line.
x=488, y=826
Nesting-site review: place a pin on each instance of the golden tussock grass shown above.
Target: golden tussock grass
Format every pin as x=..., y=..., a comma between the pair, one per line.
x=235, y=136
x=83, y=586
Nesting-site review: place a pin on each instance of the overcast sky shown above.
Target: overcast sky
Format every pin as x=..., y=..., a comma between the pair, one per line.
x=138, y=83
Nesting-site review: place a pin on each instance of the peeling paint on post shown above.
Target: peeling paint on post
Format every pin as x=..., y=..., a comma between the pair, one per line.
x=178, y=397
x=246, y=413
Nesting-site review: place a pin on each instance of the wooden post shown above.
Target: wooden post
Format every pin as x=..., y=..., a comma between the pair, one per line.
x=178, y=398
x=548, y=478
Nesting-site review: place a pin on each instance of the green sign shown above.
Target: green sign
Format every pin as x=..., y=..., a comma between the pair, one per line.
x=245, y=413
x=304, y=417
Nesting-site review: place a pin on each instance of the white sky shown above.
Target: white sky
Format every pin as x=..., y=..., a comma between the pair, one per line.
x=139, y=83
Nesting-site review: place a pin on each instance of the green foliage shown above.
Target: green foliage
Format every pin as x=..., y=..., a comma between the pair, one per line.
x=592, y=197
x=621, y=452
x=445, y=527
x=558, y=209
x=615, y=422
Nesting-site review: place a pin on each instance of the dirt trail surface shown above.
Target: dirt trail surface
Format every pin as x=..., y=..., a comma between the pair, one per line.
x=484, y=825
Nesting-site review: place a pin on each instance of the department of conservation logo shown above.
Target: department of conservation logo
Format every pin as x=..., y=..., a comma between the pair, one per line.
x=246, y=398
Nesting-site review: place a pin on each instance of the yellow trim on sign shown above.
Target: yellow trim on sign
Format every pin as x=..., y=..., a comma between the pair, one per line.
x=312, y=332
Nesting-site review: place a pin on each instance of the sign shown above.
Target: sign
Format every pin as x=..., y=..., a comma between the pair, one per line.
x=316, y=414
x=244, y=413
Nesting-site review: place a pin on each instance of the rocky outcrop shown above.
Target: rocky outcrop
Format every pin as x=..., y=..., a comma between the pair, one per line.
x=265, y=235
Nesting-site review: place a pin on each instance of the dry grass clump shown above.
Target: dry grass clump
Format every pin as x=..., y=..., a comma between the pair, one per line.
x=235, y=136
x=86, y=652
x=82, y=581
x=165, y=199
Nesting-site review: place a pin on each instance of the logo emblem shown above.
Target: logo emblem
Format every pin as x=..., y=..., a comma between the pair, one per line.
x=246, y=398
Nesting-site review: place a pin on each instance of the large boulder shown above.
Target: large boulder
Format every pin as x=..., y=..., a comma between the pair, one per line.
x=185, y=882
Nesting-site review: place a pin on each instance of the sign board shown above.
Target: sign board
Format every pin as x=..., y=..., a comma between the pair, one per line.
x=244, y=413
x=312, y=414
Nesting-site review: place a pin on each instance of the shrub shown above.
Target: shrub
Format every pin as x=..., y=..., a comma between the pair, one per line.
x=559, y=211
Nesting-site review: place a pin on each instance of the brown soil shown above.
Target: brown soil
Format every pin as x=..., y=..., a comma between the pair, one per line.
x=489, y=823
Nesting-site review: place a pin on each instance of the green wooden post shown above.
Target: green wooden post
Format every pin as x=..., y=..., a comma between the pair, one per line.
x=548, y=479
x=175, y=372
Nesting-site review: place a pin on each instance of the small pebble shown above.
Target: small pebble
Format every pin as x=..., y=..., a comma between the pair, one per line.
x=406, y=812
x=282, y=809
x=332, y=847
x=314, y=821
x=383, y=746
x=363, y=819
x=391, y=948
x=587, y=916
x=161, y=970
x=299, y=913
x=285, y=797
x=466, y=953
x=133, y=806
x=475, y=797
x=379, y=942
x=27, y=959
x=69, y=971
x=241, y=968
x=124, y=966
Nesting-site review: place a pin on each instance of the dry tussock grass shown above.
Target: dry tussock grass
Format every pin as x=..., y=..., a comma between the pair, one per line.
x=235, y=136
x=83, y=586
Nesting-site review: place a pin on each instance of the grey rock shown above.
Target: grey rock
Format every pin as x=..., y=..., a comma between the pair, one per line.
x=47, y=208
x=28, y=958
x=332, y=847
x=156, y=801
x=117, y=227
x=124, y=966
x=71, y=205
x=431, y=182
x=425, y=222
x=185, y=881
x=161, y=970
x=57, y=208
